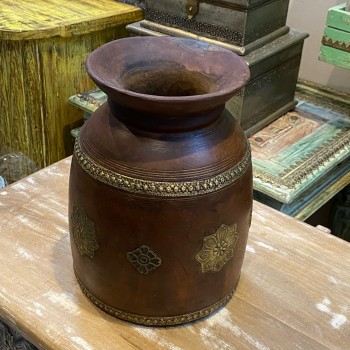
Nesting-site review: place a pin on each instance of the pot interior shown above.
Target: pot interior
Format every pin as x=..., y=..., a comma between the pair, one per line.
x=163, y=80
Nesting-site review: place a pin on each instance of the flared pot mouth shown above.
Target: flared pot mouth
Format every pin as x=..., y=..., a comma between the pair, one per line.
x=166, y=70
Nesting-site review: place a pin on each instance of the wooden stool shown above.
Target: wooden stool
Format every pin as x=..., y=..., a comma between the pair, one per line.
x=43, y=47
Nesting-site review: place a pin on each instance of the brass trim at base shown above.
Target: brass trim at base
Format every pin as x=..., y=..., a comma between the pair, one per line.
x=154, y=320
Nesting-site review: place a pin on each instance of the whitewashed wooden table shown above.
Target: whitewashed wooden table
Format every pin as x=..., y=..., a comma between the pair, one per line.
x=294, y=291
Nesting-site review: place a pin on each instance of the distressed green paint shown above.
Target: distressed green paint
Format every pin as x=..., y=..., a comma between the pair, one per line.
x=335, y=48
x=339, y=18
x=337, y=57
x=337, y=39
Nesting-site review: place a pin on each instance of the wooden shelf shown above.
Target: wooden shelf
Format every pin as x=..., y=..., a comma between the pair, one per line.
x=301, y=160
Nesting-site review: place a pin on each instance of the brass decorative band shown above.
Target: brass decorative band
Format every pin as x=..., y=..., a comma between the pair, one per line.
x=162, y=188
x=155, y=320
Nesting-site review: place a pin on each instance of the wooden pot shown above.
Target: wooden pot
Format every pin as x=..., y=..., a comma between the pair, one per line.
x=160, y=194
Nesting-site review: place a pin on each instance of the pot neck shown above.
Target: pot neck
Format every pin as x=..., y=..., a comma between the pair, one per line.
x=160, y=122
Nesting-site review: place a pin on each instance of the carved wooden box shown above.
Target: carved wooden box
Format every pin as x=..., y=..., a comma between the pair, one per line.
x=270, y=92
x=238, y=22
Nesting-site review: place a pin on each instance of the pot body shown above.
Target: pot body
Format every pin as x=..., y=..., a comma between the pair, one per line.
x=159, y=216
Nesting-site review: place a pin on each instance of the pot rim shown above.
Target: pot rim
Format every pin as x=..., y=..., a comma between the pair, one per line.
x=115, y=89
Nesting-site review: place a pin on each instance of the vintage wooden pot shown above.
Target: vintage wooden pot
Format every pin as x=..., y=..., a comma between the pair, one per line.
x=160, y=193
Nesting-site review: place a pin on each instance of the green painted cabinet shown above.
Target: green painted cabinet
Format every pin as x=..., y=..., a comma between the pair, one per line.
x=335, y=48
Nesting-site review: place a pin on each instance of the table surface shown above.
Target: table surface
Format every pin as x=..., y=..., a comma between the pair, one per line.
x=294, y=291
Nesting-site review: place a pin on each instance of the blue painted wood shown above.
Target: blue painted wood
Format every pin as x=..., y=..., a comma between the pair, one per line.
x=306, y=199
x=299, y=150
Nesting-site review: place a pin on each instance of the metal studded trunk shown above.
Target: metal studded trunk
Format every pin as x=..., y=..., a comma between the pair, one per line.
x=274, y=70
x=236, y=22
x=160, y=196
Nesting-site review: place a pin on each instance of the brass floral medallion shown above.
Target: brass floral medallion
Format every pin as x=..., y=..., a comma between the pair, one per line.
x=144, y=259
x=84, y=233
x=218, y=248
